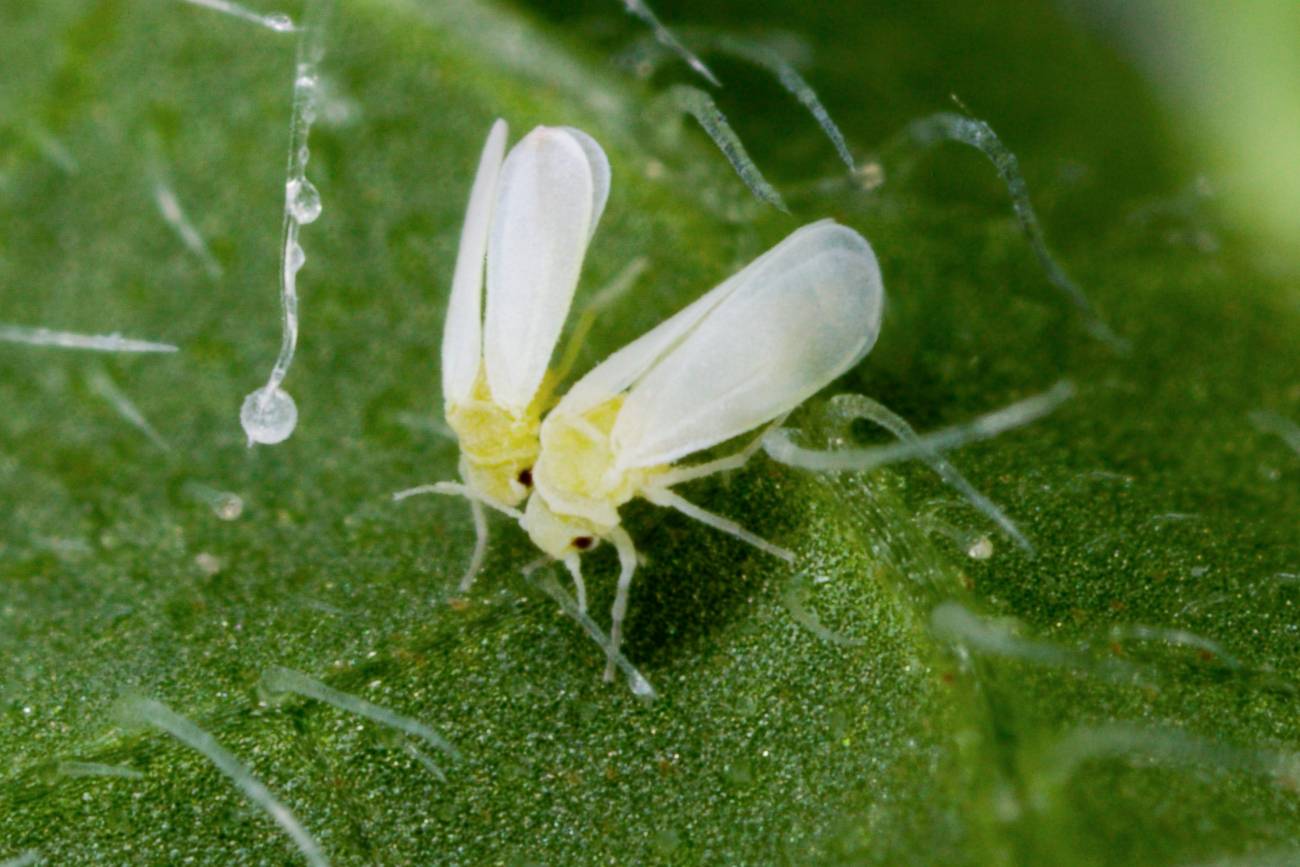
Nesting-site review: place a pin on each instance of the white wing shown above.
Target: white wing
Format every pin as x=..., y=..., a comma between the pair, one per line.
x=462, y=332
x=599, y=174
x=547, y=206
x=808, y=313
x=625, y=366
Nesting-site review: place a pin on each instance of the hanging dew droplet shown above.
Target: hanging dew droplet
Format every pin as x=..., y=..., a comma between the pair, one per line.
x=303, y=200
x=268, y=417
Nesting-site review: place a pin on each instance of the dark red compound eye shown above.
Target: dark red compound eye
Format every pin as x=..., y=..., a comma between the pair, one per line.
x=526, y=477
x=582, y=543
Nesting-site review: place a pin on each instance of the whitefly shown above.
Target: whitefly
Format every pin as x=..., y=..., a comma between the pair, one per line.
x=530, y=217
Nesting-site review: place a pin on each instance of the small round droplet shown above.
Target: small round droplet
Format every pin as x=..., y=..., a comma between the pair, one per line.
x=268, y=418
x=228, y=506
x=209, y=564
x=279, y=23
x=980, y=549
x=294, y=258
x=303, y=200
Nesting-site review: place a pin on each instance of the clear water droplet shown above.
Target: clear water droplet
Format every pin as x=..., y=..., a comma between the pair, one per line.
x=268, y=418
x=279, y=23
x=209, y=564
x=980, y=549
x=228, y=506
x=295, y=258
x=303, y=200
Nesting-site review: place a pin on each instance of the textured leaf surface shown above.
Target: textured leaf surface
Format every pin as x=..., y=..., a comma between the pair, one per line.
x=1127, y=696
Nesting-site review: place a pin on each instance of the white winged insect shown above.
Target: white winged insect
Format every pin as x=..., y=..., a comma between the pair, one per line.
x=741, y=356
x=531, y=214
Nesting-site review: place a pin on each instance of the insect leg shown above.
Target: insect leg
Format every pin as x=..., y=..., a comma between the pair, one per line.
x=639, y=685
x=480, y=544
x=627, y=568
x=456, y=489
x=677, y=475
x=671, y=500
x=574, y=564
x=476, y=504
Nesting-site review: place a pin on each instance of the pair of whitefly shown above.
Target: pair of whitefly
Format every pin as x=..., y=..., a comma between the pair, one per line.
x=741, y=356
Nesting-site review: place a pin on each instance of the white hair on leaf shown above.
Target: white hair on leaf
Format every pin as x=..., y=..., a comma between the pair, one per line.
x=846, y=408
x=38, y=336
x=682, y=98
x=666, y=38
x=946, y=126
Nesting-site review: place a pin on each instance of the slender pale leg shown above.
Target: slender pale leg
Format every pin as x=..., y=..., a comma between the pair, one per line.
x=671, y=500
x=476, y=504
x=627, y=568
x=476, y=559
x=678, y=475
x=574, y=564
x=457, y=489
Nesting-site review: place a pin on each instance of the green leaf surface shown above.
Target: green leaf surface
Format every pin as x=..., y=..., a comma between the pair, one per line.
x=1127, y=696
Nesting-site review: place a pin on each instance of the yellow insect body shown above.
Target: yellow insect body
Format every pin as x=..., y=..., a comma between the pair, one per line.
x=577, y=469
x=497, y=447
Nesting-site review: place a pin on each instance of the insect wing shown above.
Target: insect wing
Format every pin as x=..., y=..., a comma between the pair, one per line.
x=808, y=312
x=546, y=208
x=628, y=364
x=600, y=174
x=462, y=333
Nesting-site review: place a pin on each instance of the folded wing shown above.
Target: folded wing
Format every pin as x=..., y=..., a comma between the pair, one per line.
x=549, y=199
x=803, y=314
x=462, y=334
x=617, y=372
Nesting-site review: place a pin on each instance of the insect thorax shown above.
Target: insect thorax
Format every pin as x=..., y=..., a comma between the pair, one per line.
x=556, y=534
x=576, y=470
x=498, y=448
